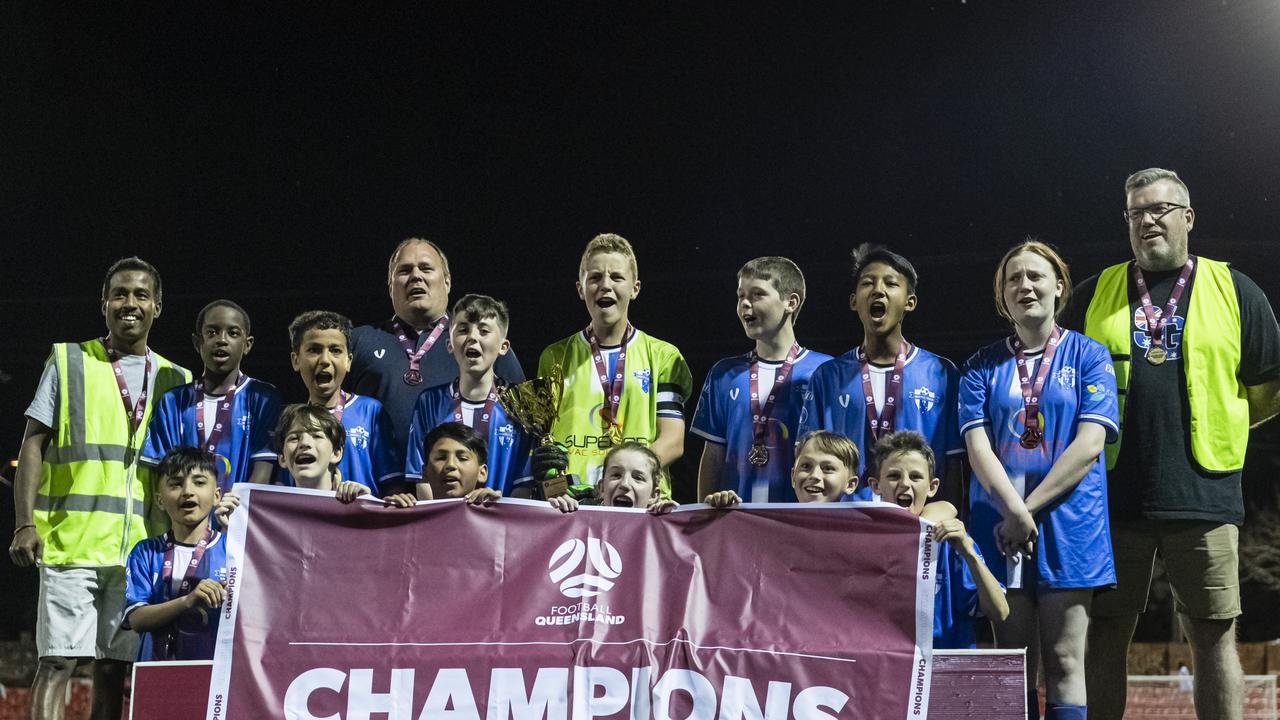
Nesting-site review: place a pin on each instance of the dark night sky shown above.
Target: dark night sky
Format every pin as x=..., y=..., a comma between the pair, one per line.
x=276, y=159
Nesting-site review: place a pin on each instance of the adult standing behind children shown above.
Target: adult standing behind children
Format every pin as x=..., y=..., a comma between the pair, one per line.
x=1197, y=357
x=1035, y=409
x=394, y=360
x=81, y=496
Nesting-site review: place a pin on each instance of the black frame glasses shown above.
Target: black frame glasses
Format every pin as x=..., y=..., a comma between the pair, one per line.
x=1134, y=215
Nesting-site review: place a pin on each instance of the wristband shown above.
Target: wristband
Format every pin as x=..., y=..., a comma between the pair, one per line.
x=20, y=528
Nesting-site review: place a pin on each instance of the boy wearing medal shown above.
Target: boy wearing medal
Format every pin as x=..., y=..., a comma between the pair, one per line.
x=886, y=383
x=477, y=338
x=225, y=412
x=321, y=359
x=176, y=581
x=750, y=405
x=619, y=383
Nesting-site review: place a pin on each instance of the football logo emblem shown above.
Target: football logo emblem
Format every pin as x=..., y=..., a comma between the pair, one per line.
x=584, y=570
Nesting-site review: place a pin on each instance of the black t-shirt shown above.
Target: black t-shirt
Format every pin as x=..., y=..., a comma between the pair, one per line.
x=379, y=362
x=1156, y=476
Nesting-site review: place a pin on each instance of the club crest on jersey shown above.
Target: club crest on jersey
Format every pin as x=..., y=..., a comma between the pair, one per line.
x=379, y=353
x=924, y=398
x=733, y=393
x=358, y=436
x=506, y=435
x=645, y=377
x=844, y=399
x=1066, y=376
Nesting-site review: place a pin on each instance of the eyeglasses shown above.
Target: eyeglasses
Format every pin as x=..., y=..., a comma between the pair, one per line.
x=1133, y=216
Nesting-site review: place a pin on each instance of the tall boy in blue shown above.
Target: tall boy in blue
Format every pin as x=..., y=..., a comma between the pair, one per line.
x=477, y=338
x=750, y=405
x=176, y=581
x=886, y=384
x=225, y=412
x=321, y=358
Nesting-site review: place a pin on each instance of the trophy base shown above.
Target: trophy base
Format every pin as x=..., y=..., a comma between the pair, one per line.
x=555, y=487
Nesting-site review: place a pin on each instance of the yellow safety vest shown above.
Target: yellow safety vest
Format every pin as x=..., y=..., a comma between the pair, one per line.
x=1210, y=360
x=91, y=508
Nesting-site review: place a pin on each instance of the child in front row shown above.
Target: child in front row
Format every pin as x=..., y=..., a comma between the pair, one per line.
x=456, y=465
x=176, y=581
x=824, y=472
x=629, y=479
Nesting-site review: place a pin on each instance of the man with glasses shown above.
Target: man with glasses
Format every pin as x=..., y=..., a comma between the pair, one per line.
x=1196, y=352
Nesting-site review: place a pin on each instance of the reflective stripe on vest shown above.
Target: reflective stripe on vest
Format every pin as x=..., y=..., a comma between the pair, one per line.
x=92, y=503
x=1210, y=360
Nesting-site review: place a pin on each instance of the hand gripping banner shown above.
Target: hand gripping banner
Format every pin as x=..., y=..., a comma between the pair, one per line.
x=446, y=611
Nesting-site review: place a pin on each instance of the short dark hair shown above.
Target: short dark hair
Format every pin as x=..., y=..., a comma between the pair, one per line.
x=317, y=320
x=469, y=438
x=474, y=307
x=182, y=461
x=217, y=304
x=311, y=417
x=904, y=441
x=868, y=253
x=133, y=262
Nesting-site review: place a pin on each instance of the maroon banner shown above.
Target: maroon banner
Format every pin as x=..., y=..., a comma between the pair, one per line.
x=446, y=611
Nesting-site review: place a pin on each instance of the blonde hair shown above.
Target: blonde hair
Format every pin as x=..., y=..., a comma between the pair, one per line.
x=1044, y=250
x=782, y=273
x=609, y=243
x=391, y=262
x=832, y=444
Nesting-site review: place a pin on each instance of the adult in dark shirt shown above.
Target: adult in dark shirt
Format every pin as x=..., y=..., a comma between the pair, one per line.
x=1197, y=364
x=396, y=359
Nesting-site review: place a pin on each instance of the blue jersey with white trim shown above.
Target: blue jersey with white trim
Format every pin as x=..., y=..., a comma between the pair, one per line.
x=1074, y=545
x=835, y=402
x=955, y=601
x=723, y=417
x=255, y=408
x=197, y=631
x=368, y=456
x=509, y=445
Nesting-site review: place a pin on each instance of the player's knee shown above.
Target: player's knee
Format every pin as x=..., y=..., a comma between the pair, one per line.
x=1210, y=636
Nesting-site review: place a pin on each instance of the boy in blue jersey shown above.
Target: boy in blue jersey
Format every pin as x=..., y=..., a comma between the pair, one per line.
x=225, y=412
x=477, y=338
x=456, y=466
x=320, y=357
x=750, y=405
x=886, y=383
x=176, y=581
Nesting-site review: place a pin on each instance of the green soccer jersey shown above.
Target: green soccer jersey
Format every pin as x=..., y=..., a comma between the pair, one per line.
x=656, y=384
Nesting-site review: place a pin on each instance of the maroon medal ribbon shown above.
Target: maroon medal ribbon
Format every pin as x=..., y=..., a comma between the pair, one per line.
x=343, y=398
x=1156, y=352
x=882, y=422
x=164, y=641
x=612, y=389
x=760, y=415
x=221, y=418
x=413, y=376
x=135, y=411
x=1033, y=433
x=482, y=423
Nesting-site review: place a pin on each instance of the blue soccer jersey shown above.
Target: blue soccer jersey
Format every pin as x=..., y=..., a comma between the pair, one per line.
x=197, y=630
x=255, y=407
x=369, y=456
x=955, y=601
x=724, y=415
x=1074, y=545
x=835, y=402
x=509, y=445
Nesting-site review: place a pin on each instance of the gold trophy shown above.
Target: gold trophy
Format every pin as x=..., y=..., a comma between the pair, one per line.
x=535, y=404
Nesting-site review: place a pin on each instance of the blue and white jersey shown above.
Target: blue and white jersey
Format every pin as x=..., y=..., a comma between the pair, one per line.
x=1074, y=547
x=197, y=629
x=835, y=402
x=369, y=456
x=955, y=601
x=509, y=445
x=723, y=417
x=255, y=408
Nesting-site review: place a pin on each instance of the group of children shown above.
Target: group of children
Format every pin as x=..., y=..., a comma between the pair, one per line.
x=877, y=421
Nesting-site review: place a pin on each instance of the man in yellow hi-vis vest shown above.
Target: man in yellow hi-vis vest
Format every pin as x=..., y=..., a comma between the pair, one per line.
x=1196, y=352
x=82, y=498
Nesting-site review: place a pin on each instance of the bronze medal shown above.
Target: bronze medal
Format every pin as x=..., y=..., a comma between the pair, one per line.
x=412, y=377
x=759, y=455
x=1031, y=438
x=1156, y=355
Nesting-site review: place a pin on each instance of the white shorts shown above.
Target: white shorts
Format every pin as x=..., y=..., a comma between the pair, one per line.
x=80, y=613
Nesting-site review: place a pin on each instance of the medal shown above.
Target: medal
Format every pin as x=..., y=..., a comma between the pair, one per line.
x=1031, y=389
x=881, y=423
x=481, y=422
x=1156, y=352
x=614, y=433
x=136, y=411
x=1031, y=438
x=760, y=413
x=612, y=389
x=1156, y=355
x=412, y=376
x=759, y=455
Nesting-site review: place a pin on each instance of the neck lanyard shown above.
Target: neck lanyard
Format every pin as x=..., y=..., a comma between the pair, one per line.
x=222, y=416
x=481, y=425
x=343, y=398
x=413, y=376
x=1034, y=431
x=137, y=410
x=1156, y=354
x=759, y=454
x=164, y=641
x=882, y=422
x=612, y=390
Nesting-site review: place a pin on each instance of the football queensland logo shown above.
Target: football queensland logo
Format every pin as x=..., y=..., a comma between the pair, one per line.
x=583, y=570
